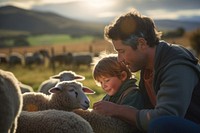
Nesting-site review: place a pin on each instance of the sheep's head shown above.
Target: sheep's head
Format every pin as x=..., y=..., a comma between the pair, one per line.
x=68, y=76
x=72, y=95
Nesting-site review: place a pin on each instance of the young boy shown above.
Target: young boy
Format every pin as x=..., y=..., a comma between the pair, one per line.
x=116, y=80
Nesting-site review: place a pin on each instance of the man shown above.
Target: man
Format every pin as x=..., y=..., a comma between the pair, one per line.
x=169, y=77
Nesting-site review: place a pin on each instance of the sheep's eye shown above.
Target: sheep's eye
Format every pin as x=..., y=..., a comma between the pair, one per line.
x=71, y=90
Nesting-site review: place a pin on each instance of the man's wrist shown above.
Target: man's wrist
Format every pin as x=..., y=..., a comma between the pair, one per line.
x=126, y=113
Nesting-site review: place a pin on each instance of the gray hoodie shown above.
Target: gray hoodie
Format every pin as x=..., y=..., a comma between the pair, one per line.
x=176, y=83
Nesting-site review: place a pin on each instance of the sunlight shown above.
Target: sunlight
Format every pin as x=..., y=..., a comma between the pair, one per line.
x=57, y=1
x=99, y=4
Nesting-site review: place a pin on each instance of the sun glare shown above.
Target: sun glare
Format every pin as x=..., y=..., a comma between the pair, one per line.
x=99, y=4
x=96, y=3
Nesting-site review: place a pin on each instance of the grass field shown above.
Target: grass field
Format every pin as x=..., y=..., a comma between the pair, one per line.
x=57, y=39
x=68, y=45
x=37, y=74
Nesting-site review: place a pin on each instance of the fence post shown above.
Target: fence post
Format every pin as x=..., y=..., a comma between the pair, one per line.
x=52, y=60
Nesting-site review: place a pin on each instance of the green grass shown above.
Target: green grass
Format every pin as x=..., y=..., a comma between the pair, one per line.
x=56, y=39
x=48, y=39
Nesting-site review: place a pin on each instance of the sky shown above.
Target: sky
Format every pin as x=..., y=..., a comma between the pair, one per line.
x=106, y=10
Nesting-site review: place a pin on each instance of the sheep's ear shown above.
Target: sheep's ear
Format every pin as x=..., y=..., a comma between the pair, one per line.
x=54, y=90
x=88, y=90
x=79, y=77
x=55, y=77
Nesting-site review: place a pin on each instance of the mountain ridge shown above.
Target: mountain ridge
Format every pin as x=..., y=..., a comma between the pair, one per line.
x=38, y=22
x=35, y=22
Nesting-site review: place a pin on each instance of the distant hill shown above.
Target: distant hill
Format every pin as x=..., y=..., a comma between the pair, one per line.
x=34, y=22
x=167, y=25
x=15, y=21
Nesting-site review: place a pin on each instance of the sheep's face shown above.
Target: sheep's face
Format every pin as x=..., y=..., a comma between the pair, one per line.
x=74, y=94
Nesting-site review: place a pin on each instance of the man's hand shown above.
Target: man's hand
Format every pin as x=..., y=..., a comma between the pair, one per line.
x=106, y=108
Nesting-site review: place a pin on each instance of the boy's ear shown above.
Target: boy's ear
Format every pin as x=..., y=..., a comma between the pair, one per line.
x=123, y=75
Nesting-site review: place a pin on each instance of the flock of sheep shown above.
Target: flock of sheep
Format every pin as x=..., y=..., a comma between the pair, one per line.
x=65, y=108
x=41, y=56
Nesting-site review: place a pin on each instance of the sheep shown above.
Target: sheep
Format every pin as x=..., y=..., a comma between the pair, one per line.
x=3, y=58
x=61, y=59
x=44, y=53
x=62, y=76
x=34, y=58
x=105, y=124
x=66, y=95
x=15, y=59
x=52, y=121
x=99, y=123
x=82, y=59
x=10, y=102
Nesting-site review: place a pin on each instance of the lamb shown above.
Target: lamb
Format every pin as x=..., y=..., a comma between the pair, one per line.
x=105, y=124
x=10, y=102
x=62, y=76
x=66, y=95
x=52, y=121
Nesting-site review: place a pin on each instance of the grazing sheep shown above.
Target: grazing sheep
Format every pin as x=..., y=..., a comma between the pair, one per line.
x=82, y=59
x=44, y=53
x=61, y=59
x=25, y=88
x=3, y=58
x=52, y=121
x=15, y=59
x=62, y=76
x=10, y=102
x=34, y=58
x=67, y=95
x=105, y=124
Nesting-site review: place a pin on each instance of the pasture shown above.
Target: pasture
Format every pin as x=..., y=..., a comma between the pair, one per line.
x=35, y=75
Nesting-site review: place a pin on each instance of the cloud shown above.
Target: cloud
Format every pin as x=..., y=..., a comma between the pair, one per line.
x=162, y=9
x=171, y=9
x=139, y=4
x=163, y=14
x=28, y=4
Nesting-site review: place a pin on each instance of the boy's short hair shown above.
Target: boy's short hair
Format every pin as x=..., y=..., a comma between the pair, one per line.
x=109, y=66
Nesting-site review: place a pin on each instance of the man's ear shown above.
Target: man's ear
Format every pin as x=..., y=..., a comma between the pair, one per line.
x=142, y=43
x=123, y=75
